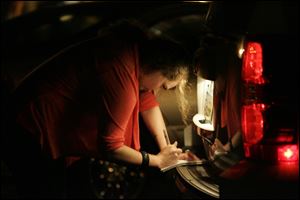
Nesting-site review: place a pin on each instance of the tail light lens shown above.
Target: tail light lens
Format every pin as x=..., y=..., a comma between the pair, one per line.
x=287, y=153
x=253, y=123
x=253, y=63
x=254, y=107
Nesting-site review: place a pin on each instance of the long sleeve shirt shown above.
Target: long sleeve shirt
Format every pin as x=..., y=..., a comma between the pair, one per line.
x=86, y=100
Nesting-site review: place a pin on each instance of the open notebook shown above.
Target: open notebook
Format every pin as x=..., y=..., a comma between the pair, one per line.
x=182, y=163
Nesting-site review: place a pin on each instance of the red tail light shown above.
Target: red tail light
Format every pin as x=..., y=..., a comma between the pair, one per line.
x=260, y=142
x=287, y=153
x=252, y=124
x=253, y=63
x=252, y=110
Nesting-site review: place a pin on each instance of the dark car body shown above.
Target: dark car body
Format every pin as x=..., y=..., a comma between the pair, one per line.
x=30, y=40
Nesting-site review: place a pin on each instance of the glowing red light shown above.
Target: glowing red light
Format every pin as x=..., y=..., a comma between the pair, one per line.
x=287, y=153
x=253, y=63
x=284, y=138
x=252, y=123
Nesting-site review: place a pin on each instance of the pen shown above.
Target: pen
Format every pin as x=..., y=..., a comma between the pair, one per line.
x=166, y=137
x=206, y=139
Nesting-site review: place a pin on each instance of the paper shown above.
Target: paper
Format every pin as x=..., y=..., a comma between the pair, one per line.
x=183, y=163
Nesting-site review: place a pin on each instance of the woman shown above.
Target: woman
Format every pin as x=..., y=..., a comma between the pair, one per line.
x=219, y=62
x=85, y=102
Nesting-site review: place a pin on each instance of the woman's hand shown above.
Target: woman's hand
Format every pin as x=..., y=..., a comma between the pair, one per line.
x=169, y=155
x=188, y=155
x=218, y=148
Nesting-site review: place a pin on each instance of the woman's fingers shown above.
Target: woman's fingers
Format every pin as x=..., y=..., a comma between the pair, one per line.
x=173, y=150
x=183, y=156
x=178, y=150
x=175, y=144
x=218, y=143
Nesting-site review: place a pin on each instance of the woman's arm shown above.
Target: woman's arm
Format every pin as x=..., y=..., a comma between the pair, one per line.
x=235, y=141
x=155, y=123
x=166, y=157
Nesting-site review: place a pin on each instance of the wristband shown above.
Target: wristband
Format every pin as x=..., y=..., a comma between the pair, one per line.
x=145, y=161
